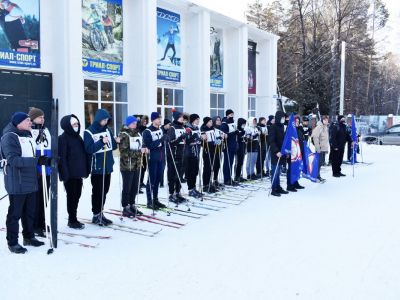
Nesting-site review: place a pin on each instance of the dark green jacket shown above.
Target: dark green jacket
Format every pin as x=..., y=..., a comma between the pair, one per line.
x=130, y=160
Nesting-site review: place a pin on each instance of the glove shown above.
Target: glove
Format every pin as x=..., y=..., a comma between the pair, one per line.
x=165, y=138
x=188, y=130
x=44, y=161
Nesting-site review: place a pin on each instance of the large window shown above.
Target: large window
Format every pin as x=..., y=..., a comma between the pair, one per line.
x=109, y=95
x=167, y=99
x=217, y=105
x=252, y=107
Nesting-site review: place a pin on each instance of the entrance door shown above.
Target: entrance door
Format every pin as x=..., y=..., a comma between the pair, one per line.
x=20, y=90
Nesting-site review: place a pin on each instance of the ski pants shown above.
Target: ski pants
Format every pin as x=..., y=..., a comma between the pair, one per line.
x=97, y=191
x=130, y=185
x=73, y=188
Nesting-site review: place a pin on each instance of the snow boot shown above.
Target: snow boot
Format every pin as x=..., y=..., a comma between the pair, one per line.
x=172, y=198
x=159, y=204
x=180, y=198
x=76, y=225
x=33, y=242
x=17, y=249
x=275, y=193
x=127, y=212
x=280, y=190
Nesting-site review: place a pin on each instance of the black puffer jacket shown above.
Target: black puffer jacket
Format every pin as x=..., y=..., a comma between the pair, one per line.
x=73, y=160
x=18, y=148
x=276, y=137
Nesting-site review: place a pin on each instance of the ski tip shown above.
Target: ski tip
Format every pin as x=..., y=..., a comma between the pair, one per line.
x=50, y=251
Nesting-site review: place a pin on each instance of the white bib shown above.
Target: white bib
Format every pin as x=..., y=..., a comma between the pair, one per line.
x=27, y=146
x=135, y=143
x=179, y=133
x=98, y=136
x=232, y=127
x=156, y=135
x=47, y=139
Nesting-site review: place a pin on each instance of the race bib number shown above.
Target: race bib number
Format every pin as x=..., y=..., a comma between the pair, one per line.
x=156, y=135
x=179, y=133
x=99, y=136
x=135, y=143
x=46, y=139
x=232, y=128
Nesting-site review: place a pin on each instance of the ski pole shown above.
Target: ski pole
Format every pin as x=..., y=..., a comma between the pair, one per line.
x=138, y=188
x=3, y=197
x=103, y=183
x=150, y=185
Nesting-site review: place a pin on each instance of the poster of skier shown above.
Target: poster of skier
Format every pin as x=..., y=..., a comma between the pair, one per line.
x=102, y=36
x=168, y=46
x=252, y=78
x=216, y=58
x=20, y=33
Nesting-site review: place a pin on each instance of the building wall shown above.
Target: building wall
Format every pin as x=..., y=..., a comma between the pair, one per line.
x=61, y=54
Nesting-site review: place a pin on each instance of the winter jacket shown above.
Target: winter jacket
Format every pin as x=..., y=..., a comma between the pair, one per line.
x=339, y=135
x=73, y=162
x=276, y=137
x=252, y=135
x=130, y=148
x=305, y=131
x=320, y=137
x=177, y=140
x=93, y=139
x=42, y=137
x=18, y=148
x=228, y=127
x=241, y=135
x=193, y=142
x=152, y=139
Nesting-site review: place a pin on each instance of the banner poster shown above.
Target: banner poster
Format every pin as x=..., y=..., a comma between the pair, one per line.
x=20, y=33
x=252, y=67
x=216, y=58
x=102, y=37
x=168, y=46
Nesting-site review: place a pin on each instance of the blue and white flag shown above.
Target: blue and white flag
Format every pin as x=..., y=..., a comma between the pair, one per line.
x=291, y=146
x=312, y=163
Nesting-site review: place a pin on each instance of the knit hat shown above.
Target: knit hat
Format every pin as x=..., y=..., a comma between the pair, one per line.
x=130, y=119
x=228, y=112
x=340, y=117
x=18, y=117
x=270, y=118
x=35, y=112
x=154, y=115
x=306, y=119
x=206, y=120
x=167, y=121
x=176, y=115
x=193, y=117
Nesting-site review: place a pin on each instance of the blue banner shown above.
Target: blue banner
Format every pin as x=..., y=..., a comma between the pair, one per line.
x=216, y=58
x=20, y=33
x=102, y=36
x=291, y=145
x=168, y=45
x=354, y=138
x=312, y=163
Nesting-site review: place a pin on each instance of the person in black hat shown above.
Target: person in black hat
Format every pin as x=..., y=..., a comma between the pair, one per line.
x=305, y=128
x=20, y=180
x=339, y=137
x=262, y=127
x=241, y=151
x=207, y=132
x=175, y=148
x=192, y=154
x=229, y=128
x=154, y=140
x=165, y=127
x=219, y=136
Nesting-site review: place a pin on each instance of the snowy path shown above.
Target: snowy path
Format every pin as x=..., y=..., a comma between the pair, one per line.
x=338, y=240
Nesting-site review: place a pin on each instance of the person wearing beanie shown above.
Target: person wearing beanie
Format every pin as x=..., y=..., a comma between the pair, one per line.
x=73, y=165
x=143, y=123
x=339, y=137
x=131, y=157
x=20, y=180
x=154, y=140
x=99, y=144
x=175, y=155
x=194, y=143
x=253, y=140
x=208, y=134
x=165, y=128
x=307, y=131
x=219, y=146
x=241, y=151
x=270, y=122
x=262, y=127
x=42, y=137
x=229, y=128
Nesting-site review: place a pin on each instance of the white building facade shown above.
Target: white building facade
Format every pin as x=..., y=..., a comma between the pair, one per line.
x=143, y=86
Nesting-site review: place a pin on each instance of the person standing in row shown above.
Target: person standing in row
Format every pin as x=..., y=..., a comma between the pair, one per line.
x=165, y=128
x=229, y=128
x=143, y=123
x=42, y=137
x=339, y=138
x=73, y=165
x=20, y=180
x=253, y=139
x=218, y=140
x=131, y=157
x=154, y=140
x=100, y=143
x=262, y=127
x=241, y=151
x=207, y=130
x=320, y=137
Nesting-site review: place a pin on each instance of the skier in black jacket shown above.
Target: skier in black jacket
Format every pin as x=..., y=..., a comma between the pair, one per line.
x=207, y=131
x=177, y=138
x=262, y=127
x=275, y=138
x=73, y=165
x=241, y=151
x=229, y=128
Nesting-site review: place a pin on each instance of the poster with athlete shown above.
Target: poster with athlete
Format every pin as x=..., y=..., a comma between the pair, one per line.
x=20, y=33
x=216, y=58
x=251, y=74
x=168, y=46
x=102, y=36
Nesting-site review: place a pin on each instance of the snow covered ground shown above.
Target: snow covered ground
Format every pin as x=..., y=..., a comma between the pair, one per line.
x=338, y=240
